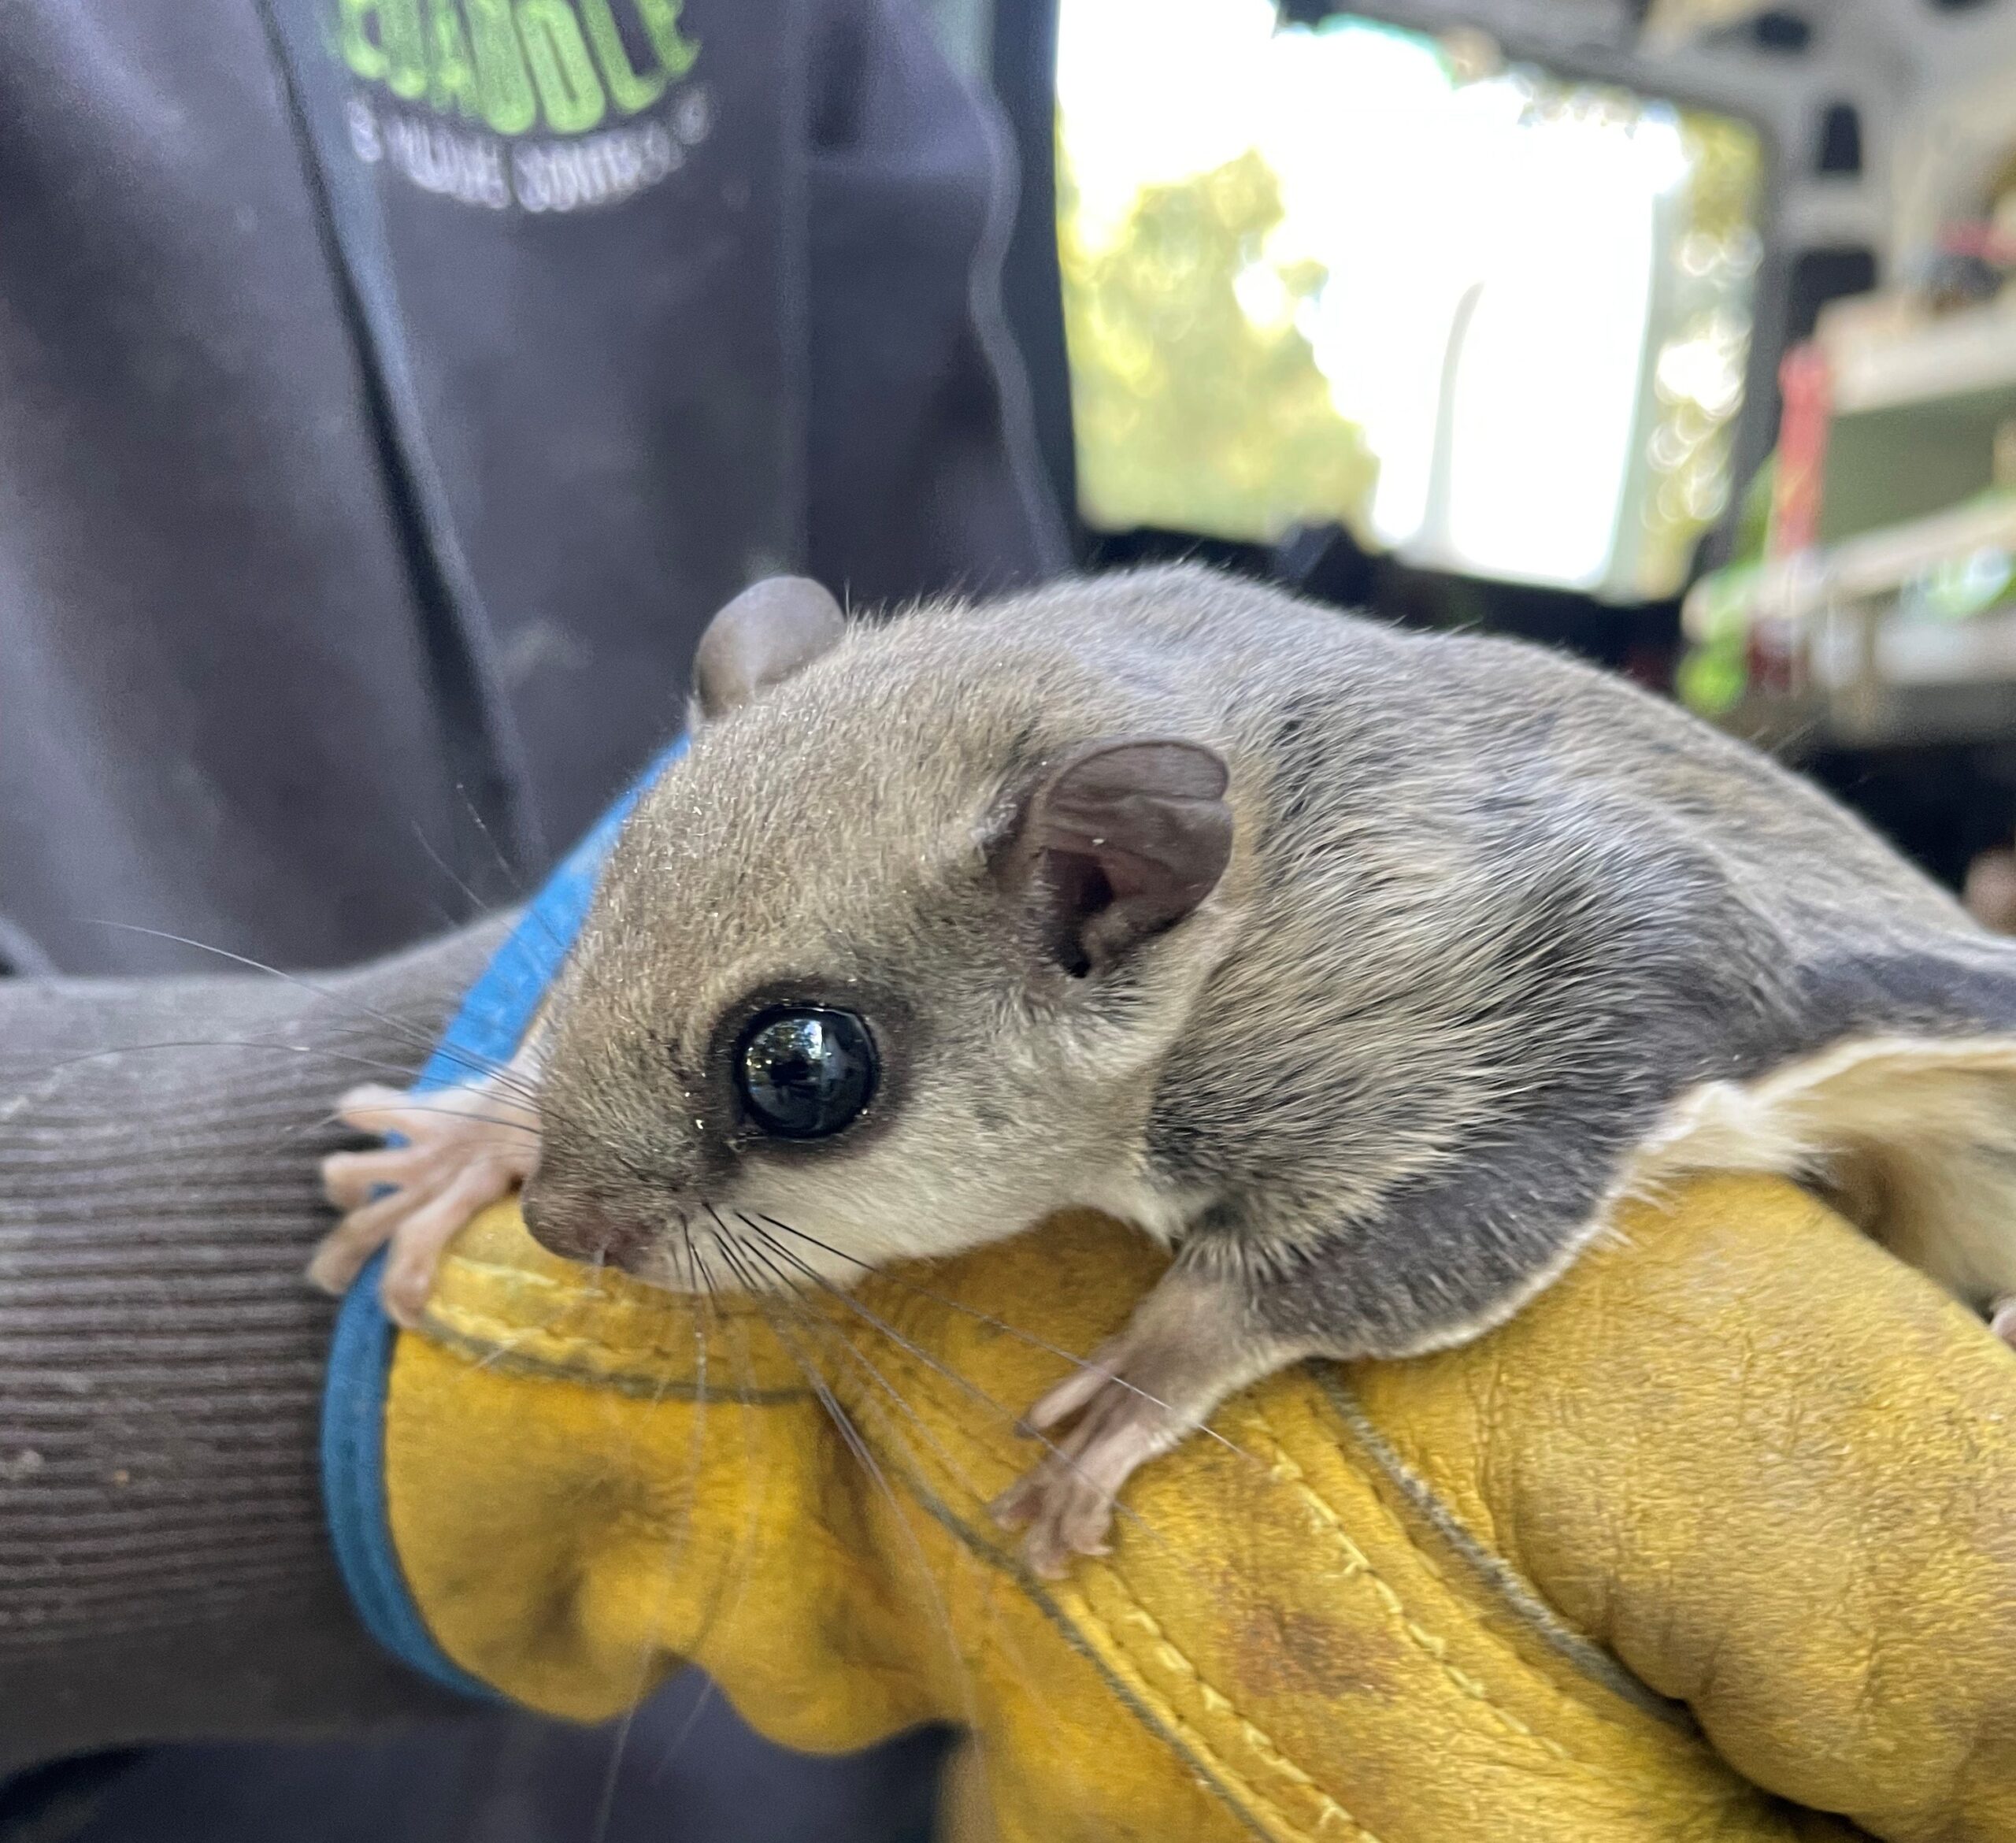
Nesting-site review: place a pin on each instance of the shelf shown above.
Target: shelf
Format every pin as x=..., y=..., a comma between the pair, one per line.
x=1877, y=564
x=1882, y=362
x=1871, y=678
x=1912, y=411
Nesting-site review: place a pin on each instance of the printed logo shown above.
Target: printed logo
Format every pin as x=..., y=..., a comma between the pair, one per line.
x=538, y=106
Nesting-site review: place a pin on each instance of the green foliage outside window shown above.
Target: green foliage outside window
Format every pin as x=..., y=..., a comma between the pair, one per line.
x=1196, y=411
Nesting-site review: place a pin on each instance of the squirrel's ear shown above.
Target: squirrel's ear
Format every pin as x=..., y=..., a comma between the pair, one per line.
x=771, y=630
x=1119, y=841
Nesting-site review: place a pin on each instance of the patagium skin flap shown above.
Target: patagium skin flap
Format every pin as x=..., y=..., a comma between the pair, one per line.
x=1371, y=970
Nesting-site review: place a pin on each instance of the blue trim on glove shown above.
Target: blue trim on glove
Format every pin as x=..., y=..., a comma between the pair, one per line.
x=486, y=1031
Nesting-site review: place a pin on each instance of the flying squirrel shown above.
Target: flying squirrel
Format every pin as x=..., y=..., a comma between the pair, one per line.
x=1369, y=970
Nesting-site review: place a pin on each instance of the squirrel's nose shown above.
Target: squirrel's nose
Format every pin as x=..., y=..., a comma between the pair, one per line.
x=580, y=1228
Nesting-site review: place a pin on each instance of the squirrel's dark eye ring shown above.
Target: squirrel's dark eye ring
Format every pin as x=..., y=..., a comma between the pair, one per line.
x=804, y=1072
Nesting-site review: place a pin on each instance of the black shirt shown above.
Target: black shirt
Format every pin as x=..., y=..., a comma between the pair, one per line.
x=390, y=390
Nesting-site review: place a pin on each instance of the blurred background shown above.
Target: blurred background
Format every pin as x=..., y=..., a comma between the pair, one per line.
x=1679, y=333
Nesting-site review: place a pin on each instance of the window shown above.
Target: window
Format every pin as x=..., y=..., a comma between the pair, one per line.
x=1494, y=319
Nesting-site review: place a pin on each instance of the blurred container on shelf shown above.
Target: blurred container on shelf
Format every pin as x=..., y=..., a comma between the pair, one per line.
x=1878, y=603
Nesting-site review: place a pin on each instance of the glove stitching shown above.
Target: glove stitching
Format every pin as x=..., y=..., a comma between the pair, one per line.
x=507, y=1338
x=1124, y=1661
x=1432, y=1644
x=1256, y=1739
x=474, y=1326
x=1590, y=1660
x=513, y=1347
x=573, y=1291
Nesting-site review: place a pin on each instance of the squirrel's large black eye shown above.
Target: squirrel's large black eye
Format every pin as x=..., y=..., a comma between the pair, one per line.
x=804, y=1072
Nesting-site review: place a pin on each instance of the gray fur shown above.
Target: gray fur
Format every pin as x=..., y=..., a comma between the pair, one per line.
x=1487, y=914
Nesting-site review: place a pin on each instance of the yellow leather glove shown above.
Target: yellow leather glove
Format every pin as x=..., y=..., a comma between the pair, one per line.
x=1717, y=1534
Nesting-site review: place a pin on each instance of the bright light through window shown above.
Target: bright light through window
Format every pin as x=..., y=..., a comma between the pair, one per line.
x=1491, y=318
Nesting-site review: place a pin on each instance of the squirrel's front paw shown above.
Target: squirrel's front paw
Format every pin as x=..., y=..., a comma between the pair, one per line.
x=463, y=1148
x=1065, y=1503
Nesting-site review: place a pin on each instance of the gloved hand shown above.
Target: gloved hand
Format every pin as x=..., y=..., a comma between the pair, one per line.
x=1719, y=1533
